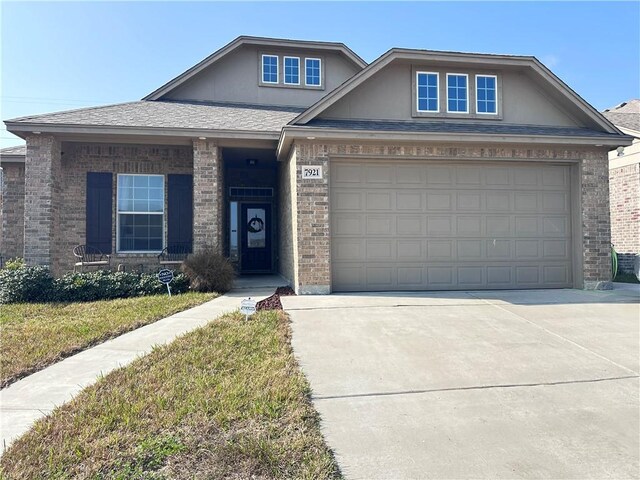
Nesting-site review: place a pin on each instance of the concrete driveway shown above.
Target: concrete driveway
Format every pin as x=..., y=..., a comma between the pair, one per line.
x=515, y=384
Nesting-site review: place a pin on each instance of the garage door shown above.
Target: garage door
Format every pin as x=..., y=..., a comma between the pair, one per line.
x=436, y=226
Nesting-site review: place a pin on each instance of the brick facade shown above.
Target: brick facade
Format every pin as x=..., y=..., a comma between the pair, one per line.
x=208, y=194
x=12, y=210
x=625, y=213
x=42, y=200
x=287, y=219
x=312, y=201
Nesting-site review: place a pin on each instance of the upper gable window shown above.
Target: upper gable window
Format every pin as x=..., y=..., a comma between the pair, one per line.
x=292, y=70
x=312, y=72
x=269, y=69
x=457, y=93
x=427, y=91
x=486, y=102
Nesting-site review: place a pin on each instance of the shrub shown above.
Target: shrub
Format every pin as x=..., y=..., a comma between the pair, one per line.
x=26, y=284
x=208, y=271
x=14, y=263
x=35, y=284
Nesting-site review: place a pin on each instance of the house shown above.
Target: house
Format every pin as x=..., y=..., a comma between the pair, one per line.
x=423, y=170
x=624, y=185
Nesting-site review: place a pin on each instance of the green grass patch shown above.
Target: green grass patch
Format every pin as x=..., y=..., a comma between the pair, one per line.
x=626, y=278
x=224, y=401
x=35, y=335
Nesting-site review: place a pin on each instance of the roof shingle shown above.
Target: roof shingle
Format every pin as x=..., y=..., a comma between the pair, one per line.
x=171, y=114
x=625, y=115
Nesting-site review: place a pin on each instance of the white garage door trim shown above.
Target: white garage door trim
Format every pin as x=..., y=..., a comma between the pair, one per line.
x=433, y=225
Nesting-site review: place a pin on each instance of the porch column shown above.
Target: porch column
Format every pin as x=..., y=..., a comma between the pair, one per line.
x=596, y=224
x=207, y=196
x=42, y=200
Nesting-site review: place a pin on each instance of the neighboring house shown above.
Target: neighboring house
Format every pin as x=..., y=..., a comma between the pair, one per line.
x=423, y=170
x=624, y=185
x=11, y=202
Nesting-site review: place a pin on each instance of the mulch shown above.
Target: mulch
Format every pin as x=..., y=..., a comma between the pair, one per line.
x=273, y=302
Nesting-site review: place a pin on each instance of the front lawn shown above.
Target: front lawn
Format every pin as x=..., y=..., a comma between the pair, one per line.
x=35, y=335
x=224, y=401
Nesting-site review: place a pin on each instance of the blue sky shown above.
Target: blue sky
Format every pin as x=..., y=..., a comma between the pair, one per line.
x=57, y=56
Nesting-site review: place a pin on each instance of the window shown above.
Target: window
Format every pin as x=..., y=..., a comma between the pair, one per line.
x=457, y=93
x=427, y=91
x=486, y=94
x=312, y=73
x=269, y=69
x=140, y=213
x=292, y=70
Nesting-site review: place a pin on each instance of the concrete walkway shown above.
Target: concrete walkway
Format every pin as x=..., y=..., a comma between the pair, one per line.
x=511, y=384
x=23, y=402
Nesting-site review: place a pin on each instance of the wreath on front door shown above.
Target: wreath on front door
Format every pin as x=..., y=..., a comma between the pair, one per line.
x=255, y=225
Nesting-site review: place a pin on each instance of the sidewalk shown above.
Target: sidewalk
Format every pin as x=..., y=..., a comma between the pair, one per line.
x=23, y=402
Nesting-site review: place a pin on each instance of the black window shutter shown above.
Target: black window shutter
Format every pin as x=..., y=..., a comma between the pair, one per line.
x=180, y=212
x=99, y=210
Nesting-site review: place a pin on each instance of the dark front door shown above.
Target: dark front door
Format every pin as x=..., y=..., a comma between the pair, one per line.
x=255, y=234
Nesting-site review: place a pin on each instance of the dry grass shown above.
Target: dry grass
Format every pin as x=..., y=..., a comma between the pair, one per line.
x=36, y=335
x=224, y=401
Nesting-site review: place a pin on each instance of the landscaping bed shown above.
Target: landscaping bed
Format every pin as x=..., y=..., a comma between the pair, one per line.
x=36, y=335
x=224, y=401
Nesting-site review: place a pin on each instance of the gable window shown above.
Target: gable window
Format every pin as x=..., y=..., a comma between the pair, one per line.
x=427, y=91
x=486, y=94
x=312, y=71
x=457, y=93
x=269, y=69
x=140, y=213
x=292, y=70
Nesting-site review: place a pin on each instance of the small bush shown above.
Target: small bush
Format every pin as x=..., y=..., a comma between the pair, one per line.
x=26, y=284
x=35, y=284
x=208, y=271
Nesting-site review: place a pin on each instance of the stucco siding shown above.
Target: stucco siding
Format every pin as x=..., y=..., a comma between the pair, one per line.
x=388, y=95
x=235, y=78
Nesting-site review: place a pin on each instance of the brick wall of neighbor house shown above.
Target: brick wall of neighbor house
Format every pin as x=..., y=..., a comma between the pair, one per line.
x=625, y=213
x=208, y=184
x=314, y=275
x=287, y=219
x=80, y=158
x=12, y=211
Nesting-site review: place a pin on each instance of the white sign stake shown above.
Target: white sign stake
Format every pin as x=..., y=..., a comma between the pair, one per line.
x=247, y=307
x=166, y=276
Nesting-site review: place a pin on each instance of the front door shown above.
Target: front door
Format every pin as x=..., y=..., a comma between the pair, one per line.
x=255, y=234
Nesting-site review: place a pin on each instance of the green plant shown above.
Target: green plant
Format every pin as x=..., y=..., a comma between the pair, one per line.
x=14, y=263
x=35, y=284
x=21, y=283
x=208, y=271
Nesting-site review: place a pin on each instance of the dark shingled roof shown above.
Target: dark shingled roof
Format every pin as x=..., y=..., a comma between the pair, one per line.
x=625, y=115
x=17, y=150
x=171, y=114
x=450, y=127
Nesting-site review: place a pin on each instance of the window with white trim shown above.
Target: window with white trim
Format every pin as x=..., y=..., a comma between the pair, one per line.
x=486, y=89
x=313, y=68
x=140, y=213
x=292, y=70
x=457, y=93
x=427, y=91
x=269, y=68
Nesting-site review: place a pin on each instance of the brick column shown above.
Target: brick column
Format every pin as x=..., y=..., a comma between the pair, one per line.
x=596, y=225
x=208, y=196
x=42, y=200
x=314, y=254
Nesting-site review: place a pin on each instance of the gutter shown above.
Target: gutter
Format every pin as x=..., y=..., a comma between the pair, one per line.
x=291, y=132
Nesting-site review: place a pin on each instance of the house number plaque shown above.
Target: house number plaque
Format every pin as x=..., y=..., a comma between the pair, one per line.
x=311, y=172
